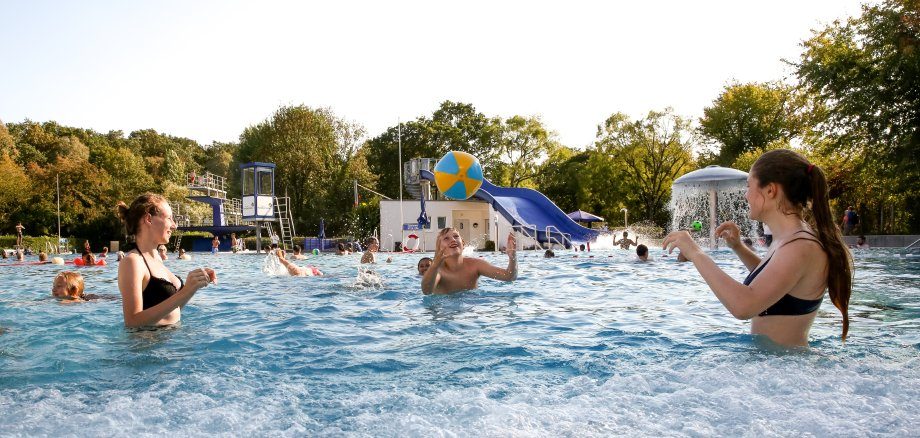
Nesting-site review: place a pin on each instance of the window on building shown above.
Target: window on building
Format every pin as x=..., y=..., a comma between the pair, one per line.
x=442, y=222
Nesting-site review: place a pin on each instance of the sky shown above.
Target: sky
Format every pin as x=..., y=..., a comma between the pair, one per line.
x=206, y=70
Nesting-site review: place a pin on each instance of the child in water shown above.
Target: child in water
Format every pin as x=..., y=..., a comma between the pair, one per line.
x=451, y=272
x=68, y=285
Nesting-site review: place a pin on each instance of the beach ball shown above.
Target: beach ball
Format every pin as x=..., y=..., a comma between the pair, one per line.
x=458, y=175
x=697, y=225
x=315, y=251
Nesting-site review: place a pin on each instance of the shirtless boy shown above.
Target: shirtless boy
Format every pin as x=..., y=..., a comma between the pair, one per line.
x=451, y=272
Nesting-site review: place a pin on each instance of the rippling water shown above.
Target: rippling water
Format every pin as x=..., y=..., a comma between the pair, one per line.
x=576, y=347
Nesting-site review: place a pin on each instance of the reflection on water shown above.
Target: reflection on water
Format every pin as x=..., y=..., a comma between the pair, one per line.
x=577, y=346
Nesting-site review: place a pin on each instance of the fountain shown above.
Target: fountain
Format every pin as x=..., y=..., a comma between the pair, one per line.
x=716, y=192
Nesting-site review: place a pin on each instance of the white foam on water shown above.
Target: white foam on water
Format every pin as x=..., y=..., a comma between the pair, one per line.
x=724, y=394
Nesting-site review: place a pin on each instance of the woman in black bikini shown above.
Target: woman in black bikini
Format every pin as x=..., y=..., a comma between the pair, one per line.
x=150, y=294
x=783, y=292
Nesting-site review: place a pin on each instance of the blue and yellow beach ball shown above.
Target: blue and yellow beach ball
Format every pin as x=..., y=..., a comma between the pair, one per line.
x=458, y=175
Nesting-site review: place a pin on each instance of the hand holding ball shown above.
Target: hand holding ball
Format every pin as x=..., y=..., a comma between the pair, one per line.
x=458, y=175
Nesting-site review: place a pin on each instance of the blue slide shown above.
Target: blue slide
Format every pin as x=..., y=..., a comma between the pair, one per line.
x=531, y=210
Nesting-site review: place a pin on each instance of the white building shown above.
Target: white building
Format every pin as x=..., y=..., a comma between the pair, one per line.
x=476, y=221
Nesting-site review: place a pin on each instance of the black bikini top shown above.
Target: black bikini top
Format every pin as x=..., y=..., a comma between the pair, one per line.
x=788, y=304
x=158, y=289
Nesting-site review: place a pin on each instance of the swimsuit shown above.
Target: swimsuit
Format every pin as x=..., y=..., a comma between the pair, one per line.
x=788, y=304
x=158, y=289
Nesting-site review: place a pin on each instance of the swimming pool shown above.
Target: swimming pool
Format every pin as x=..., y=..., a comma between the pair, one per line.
x=576, y=347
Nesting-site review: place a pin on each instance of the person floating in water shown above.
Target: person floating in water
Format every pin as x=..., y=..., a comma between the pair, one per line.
x=161, y=250
x=294, y=270
x=451, y=272
x=150, y=294
x=783, y=292
x=626, y=242
x=183, y=255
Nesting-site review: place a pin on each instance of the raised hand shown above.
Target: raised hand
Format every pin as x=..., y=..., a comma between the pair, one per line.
x=730, y=232
x=683, y=241
x=511, y=245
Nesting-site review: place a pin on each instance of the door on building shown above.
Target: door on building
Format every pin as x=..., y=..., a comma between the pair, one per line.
x=463, y=227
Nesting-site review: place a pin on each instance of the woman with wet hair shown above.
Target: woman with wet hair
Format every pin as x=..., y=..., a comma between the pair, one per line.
x=784, y=290
x=150, y=294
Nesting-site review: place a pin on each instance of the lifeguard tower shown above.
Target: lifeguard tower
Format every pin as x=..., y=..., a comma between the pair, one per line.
x=226, y=214
x=259, y=203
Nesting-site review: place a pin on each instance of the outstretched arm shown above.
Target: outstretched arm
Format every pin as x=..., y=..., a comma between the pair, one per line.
x=432, y=276
x=508, y=274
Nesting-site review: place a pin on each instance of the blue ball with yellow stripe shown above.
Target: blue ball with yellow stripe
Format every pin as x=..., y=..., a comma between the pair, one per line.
x=458, y=175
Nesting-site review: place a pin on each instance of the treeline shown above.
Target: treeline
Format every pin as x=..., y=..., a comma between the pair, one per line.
x=853, y=108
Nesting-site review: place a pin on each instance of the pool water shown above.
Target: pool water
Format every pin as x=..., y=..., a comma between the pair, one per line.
x=580, y=346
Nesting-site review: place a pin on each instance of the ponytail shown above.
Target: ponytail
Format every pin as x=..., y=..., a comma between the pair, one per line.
x=840, y=262
x=805, y=186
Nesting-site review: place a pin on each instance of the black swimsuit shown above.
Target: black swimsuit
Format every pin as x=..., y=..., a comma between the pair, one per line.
x=158, y=289
x=788, y=304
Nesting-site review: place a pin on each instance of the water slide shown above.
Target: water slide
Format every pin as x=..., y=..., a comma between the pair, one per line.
x=532, y=212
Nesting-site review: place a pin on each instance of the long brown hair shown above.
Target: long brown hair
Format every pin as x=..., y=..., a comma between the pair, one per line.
x=142, y=205
x=805, y=186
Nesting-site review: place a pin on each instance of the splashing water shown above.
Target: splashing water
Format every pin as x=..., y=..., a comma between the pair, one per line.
x=691, y=203
x=272, y=266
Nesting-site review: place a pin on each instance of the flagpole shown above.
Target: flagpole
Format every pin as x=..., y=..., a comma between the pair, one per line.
x=57, y=179
x=399, y=140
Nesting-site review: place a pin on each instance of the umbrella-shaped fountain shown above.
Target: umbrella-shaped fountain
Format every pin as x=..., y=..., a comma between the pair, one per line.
x=710, y=195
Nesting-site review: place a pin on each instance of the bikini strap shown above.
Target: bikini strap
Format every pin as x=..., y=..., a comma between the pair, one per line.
x=815, y=238
x=145, y=261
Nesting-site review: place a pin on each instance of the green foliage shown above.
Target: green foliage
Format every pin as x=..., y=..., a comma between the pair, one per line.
x=649, y=154
x=865, y=73
x=525, y=143
x=748, y=117
x=318, y=159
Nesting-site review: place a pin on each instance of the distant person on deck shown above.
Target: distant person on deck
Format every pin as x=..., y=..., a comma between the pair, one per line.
x=19, y=229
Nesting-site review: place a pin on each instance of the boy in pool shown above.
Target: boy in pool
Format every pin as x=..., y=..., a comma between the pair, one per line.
x=625, y=242
x=451, y=272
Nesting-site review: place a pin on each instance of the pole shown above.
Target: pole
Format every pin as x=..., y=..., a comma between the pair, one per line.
x=57, y=180
x=713, y=209
x=399, y=140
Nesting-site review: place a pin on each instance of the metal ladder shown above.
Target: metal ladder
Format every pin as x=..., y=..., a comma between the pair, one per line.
x=178, y=241
x=285, y=221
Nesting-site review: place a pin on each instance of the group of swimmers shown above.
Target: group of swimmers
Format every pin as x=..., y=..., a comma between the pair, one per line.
x=780, y=296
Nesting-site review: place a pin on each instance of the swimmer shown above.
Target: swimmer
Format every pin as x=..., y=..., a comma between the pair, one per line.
x=161, y=250
x=294, y=270
x=19, y=256
x=369, y=256
x=341, y=249
x=626, y=242
x=89, y=259
x=642, y=253
x=783, y=292
x=68, y=285
x=150, y=294
x=298, y=253
x=451, y=272
x=104, y=253
x=119, y=256
x=423, y=264
x=42, y=256
x=549, y=254
x=860, y=243
x=183, y=255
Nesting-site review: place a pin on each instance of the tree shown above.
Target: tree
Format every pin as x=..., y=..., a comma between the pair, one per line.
x=653, y=151
x=865, y=72
x=525, y=143
x=748, y=117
